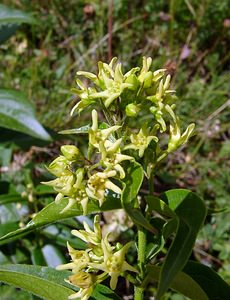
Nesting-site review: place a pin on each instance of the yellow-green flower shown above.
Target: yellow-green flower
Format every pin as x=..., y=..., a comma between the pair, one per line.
x=63, y=184
x=80, y=260
x=59, y=167
x=72, y=186
x=88, y=235
x=112, y=158
x=141, y=141
x=85, y=95
x=114, y=264
x=96, y=135
x=86, y=282
x=175, y=138
x=98, y=183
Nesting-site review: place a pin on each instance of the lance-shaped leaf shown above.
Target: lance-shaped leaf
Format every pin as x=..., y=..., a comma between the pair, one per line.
x=53, y=213
x=14, y=16
x=131, y=185
x=46, y=282
x=17, y=113
x=191, y=212
x=10, y=19
x=181, y=283
x=211, y=283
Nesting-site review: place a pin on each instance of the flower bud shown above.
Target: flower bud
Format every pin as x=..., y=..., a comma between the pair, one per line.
x=71, y=152
x=132, y=110
x=59, y=167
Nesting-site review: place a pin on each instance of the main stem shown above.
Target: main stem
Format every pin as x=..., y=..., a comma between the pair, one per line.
x=139, y=291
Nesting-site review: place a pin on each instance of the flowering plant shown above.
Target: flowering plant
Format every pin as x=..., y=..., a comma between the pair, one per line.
x=117, y=172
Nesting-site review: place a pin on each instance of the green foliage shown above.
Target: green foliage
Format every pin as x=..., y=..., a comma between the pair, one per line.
x=181, y=283
x=10, y=19
x=45, y=282
x=190, y=219
x=41, y=60
x=17, y=114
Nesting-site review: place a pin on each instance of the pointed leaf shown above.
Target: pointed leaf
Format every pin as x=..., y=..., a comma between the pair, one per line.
x=159, y=206
x=14, y=16
x=18, y=114
x=47, y=283
x=102, y=292
x=191, y=212
x=44, y=282
x=6, y=31
x=53, y=213
x=181, y=283
x=213, y=285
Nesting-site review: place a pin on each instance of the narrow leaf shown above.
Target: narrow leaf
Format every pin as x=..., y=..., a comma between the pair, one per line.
x=181, y=283
x=14, y=16
x=53, y=213
x=44, y=282
x=191, y=212
x=213, y=285
x=17, y=114
x=6, y=31
x=47, y=283
x=102, y=292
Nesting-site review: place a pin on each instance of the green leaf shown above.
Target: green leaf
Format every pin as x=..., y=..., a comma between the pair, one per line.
x=52, y=213
x=8, y=227
x=18, y=114
x=159, y=206
x=131, y=185
x=6, y=31
x=102, y=292
x=191, y=212
x=47, y=283
x=44, y=282
x=213, y=285
x=14, y=16
x=9, y=292
x=181, y=283
x=157, y=241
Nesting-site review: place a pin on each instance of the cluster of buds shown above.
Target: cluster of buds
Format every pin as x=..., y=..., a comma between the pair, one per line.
x=97, y=262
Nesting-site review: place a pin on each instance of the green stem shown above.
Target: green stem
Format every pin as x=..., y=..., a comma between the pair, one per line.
x=139, y=290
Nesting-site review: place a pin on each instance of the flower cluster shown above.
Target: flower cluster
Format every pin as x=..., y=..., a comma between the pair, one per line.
x=79, y=181
x=95, y=264
x=122, y=98
x=131, y=94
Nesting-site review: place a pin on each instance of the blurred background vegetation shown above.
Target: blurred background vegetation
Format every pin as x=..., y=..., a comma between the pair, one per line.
x=190, y=38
